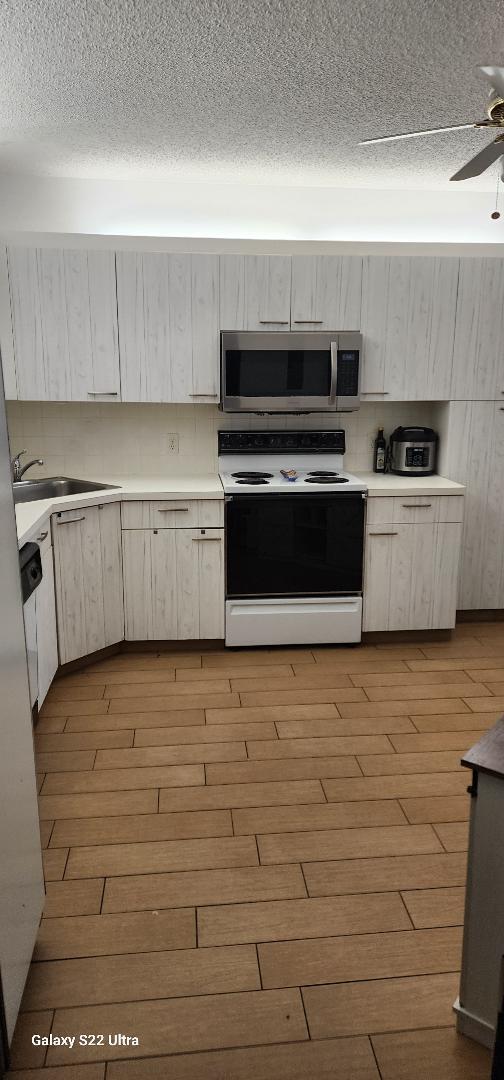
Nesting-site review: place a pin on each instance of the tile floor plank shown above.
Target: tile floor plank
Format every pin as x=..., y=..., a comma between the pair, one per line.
x=127, y=932
x=457, y=722
x=302, y=697
x=62, y=1072
x=326, y=1059
x=265, y=713
x=66, y=761
x=389, y=873
x=440, y=1052
x=73, y=898
x=178, y=702
x=387, y=1005
x=404, y=707
x=389, y=764
x=268, y=671
x=23, y=1054
x=370, y=956
x=141, y=827
x=435, y=740
x=424, y=691
x=409, y=678
x=222, y=796
x=282, y=920
x=253, y=657
x=347, y=844
x=454, y=835
x=177, y=1025
x=54, y=862
x=124, y=690
x=56, y=707
x=435, y=907
x=114, y=860
x=395, y=786
x=447, y=808
x=184, y=754
x=261, y=772
x=96, y=804
x=85, y=740
x=333, y=816
x=310, y=748
x=333, y=680
x=98, y=980
x=316, y=729
x=119, y=721
x=204, y=733
x=202, y=887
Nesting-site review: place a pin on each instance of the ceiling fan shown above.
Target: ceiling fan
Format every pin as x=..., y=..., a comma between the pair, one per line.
x=495, y=119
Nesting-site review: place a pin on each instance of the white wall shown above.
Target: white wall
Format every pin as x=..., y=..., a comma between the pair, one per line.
x=94, y=440
x=158, y=209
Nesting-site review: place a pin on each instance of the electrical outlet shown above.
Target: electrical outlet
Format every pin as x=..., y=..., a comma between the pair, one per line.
x=172, y=444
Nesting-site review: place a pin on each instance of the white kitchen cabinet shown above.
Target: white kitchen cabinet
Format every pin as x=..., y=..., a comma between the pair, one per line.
x=64, y=323
x=408, y=326
x=173, y=584
x=326, y=292
x=473, y=454
x=45, y=613
x=255, y=292
x=168, y=311
x=411, y=565
x=478, y=360
x=88, y=578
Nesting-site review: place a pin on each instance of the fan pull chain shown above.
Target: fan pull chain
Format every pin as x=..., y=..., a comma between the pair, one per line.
x=496, y=213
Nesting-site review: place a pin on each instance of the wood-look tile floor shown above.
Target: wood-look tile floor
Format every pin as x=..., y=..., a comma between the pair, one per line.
x=255, y=863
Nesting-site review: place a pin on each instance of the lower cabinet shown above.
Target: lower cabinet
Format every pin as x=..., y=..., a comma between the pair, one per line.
x=173, y=583
x=411, y=567
x=45, y=611
x=88, y=579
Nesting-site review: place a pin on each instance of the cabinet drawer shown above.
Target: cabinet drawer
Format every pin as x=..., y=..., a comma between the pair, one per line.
x=173, y=514
x=415, y=509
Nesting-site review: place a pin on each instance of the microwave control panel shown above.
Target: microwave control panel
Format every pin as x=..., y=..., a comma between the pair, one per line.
x=347, y=380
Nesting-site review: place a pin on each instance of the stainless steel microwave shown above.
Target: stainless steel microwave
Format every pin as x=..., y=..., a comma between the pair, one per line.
x=282, y=372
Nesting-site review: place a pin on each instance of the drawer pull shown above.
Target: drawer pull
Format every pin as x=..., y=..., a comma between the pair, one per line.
x=416, y=506
x=383, y=393
x=103, y=393
x=274, y=322
x=173, y=510
x=204, y=395
x=42, y=537
x=316, y=322
x=382, y=534
x=71, y=521
x=206, y=539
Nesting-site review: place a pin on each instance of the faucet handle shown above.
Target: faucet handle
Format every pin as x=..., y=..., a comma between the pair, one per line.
x=17, y=456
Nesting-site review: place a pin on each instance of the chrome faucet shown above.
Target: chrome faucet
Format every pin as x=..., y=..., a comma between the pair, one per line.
x=19, y=470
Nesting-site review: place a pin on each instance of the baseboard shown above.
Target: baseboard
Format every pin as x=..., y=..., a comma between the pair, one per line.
x=124, y=647
x=473, y=1026
x=376, y=637
x=481, y=615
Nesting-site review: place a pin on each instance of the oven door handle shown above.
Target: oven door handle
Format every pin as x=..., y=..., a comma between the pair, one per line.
x=334, y=374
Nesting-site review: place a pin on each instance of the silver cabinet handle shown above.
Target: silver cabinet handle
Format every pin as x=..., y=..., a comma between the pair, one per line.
x=207, y=539
x=173, y=510
x=316, y=322
x=274, y=322
x=103, y=393
x=71, y=521
x=204, y=395
x=501, y=407
x=382, y=534
x=416, y=506
x=383, y=393
x=42, y=537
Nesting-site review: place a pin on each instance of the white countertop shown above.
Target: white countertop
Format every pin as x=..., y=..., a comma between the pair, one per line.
x=388, y=484
x=32, y=516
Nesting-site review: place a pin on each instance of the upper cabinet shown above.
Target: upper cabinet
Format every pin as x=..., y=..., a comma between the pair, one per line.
x=326, y=292
x=408, y=326
x=255, y=292
x=64, y=323
x=478, y=361
x=168, y=310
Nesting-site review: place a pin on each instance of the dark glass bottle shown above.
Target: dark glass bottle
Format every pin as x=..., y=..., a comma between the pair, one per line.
x=380, y=452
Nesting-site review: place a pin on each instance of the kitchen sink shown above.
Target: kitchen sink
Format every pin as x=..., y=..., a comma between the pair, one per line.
x=54, y=487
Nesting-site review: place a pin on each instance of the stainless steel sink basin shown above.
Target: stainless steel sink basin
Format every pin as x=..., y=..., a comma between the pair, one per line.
x=54, y=487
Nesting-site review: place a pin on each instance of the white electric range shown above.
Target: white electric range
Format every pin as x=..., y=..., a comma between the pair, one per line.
x=294, y=538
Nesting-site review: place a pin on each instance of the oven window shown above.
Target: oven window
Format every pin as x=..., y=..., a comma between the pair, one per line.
x=294, y=546
x=278, y=373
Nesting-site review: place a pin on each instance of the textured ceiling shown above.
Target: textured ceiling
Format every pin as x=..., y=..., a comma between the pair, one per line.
x=244, y=91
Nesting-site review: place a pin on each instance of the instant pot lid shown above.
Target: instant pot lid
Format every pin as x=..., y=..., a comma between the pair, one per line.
x=414, y=434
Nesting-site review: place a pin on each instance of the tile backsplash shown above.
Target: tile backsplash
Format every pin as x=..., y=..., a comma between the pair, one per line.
x=97, y=440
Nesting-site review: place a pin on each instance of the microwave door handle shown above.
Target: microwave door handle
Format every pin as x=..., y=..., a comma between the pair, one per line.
x=334, y=374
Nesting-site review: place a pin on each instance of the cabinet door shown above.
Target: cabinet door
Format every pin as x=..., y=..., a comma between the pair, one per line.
x=326, y=292
x=255, y=292
x=408, y=325
x=64, y=315
x=411, y=576
x=88, y=574
x=173, y=584
x=377, y=570
x=478, y=362
x=169, y=326
x=47, y=641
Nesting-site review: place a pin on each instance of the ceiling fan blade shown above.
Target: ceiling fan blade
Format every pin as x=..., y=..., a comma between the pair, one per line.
x=495, y=76
x=416, y=134
x=481, y=161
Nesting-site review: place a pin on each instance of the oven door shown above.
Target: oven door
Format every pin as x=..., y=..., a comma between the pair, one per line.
x=294, y=545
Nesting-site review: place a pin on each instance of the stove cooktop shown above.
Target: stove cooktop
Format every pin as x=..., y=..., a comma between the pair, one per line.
x=285, y=461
